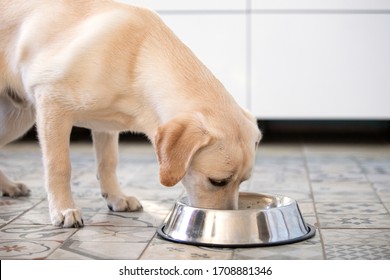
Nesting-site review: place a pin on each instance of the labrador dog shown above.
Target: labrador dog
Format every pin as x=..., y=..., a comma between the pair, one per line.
x=111, y=67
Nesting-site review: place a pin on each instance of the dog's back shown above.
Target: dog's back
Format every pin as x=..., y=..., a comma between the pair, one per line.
x=29, y=27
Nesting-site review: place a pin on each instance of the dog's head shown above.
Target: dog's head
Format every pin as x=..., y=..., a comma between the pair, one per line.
x=210, y=158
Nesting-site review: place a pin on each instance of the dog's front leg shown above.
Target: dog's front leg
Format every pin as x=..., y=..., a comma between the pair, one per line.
x=54, y=127
x=106, y=149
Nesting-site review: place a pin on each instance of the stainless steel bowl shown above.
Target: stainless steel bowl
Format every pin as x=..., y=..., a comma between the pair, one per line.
x=261, y=220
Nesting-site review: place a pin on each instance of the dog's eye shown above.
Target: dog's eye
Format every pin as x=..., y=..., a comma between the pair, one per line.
x=219, y=183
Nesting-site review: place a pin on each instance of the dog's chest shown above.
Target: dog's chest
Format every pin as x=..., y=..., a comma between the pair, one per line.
x=107, y=122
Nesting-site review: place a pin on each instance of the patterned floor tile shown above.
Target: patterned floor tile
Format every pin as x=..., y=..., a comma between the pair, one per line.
x=337, y=177
x=74, y=249
x=331, y=162
x=353, y=215
x=378, y=178
x=306, y=250
x=161, y=249
x=306, y=208
x=299, y=196
x=308, y=212
x=26, y=249
x=357, y=252
x=11, y=208
x=333, y=166
x=145, y=192
x=345, y=189
x=35, y=232
x=350, y=208
x=35, y=217
x=280, y=150
x=65, y=254
x=130, y=219
x=353, y=221
x=356, y=236
x=345, y=192
x=114, y=234
x=375, y=165
x=382, y=190
x=387, y=205
x=342, y=197
x=347, y=150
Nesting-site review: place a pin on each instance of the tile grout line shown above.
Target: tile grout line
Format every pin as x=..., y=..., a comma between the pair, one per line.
x=155, y=235
x=62, y=243
x=148, y=244
x=358, y=228
x=371, y=184
x=304, y=153
x=22, y=213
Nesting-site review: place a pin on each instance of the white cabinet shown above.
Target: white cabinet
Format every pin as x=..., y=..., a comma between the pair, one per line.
x=320, y=59
x=321, y=65
x=334, y=6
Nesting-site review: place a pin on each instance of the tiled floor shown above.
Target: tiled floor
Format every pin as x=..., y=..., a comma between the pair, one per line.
x=344, y=190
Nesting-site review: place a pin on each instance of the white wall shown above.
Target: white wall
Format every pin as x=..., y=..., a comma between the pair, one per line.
x=284, y=59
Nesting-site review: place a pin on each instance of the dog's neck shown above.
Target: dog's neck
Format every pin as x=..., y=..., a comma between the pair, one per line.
x=174, y=81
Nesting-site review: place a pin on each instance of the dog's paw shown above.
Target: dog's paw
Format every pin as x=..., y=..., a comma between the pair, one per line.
x=15, y=189
x=68, y=218
x=123, y=203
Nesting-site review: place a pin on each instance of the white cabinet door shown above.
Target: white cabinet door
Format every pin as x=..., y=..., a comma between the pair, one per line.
x=323, y=5
x=321, y=65
x=219, y=41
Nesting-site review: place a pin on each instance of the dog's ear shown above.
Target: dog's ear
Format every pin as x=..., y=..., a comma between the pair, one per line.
x=176, y=142
x=252, y=119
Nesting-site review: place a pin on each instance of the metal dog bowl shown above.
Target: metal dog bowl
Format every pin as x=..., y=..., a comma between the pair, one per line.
x=261, y=220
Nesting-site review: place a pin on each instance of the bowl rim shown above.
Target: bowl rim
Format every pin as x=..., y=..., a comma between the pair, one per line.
x=310, y=233
x=184, y=196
